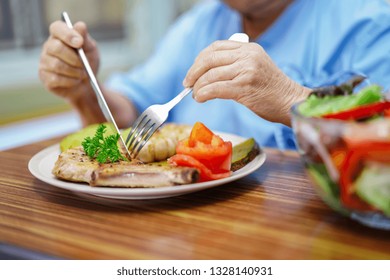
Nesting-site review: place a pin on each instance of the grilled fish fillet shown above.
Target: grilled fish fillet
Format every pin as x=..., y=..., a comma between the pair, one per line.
x=74, y=165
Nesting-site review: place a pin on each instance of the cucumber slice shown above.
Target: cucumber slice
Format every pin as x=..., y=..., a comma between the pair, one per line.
x=373, y=186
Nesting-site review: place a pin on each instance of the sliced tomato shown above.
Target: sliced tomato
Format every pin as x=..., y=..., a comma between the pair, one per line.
x=205, y=173
x=217, y=156
x=207, y=149
x=200, y=133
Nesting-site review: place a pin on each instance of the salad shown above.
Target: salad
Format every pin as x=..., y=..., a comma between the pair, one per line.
x=344, y=138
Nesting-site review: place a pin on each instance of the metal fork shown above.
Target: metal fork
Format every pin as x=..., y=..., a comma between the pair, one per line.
x=154, y=116
x=149, y=121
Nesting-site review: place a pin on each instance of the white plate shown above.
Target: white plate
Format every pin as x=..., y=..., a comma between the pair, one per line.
x=42, y=163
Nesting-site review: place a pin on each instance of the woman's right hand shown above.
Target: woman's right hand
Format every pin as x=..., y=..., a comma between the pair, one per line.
x=60, y=68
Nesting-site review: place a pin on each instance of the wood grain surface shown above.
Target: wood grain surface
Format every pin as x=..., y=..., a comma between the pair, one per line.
x=273, y=213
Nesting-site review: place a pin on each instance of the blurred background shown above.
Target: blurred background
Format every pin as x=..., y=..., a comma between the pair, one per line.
x=126, y=31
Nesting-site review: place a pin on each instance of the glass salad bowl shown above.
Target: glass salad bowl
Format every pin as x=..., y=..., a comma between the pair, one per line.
x=346, y=153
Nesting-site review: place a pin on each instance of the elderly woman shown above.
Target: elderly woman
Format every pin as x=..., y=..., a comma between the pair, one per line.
x=249, y=87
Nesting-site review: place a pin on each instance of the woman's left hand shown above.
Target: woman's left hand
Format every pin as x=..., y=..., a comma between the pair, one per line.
x=245, y=73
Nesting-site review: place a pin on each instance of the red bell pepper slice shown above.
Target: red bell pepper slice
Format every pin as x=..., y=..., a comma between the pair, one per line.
x=364, y=111
x=357, y=154
x=205, y=173
x=348, y=174
x=208, y=152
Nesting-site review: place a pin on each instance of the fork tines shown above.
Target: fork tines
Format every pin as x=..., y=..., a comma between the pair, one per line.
x=140, y=133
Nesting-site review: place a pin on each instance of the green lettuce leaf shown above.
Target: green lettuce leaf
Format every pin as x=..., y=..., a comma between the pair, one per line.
x=319, y=106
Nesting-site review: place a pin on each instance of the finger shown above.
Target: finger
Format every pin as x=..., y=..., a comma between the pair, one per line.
x=56, y=48
x=89, y=42
x=208, y=60
x=223, y=45
x=69, y=36
x=55, y=65
x=53, y=81
x=218, y=74
x=220, y=89
x=199, y=65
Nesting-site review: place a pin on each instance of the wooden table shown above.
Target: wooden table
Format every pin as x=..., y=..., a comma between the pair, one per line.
x=271, y=214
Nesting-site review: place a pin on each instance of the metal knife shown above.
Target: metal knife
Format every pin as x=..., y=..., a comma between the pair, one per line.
x=94, y=83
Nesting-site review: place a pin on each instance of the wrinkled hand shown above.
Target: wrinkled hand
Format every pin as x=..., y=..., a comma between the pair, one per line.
x=60, y=68
x=245, y=73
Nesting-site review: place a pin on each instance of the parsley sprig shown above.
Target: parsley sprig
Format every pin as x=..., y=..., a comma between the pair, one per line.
x=104, y=149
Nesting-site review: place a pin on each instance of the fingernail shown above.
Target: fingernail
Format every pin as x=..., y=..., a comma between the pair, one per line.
x=76, y=41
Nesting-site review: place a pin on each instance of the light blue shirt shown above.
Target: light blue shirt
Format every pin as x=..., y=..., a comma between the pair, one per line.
x=315, y=42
